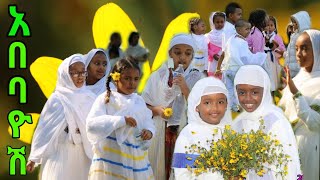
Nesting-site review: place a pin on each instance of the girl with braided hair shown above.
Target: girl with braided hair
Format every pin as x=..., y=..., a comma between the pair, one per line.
x=120, y=128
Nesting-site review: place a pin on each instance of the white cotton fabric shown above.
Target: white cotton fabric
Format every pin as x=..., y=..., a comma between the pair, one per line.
x=298, y=111
x=274, y=120
x=182, y=39
x=117, y=151
x=200, y=58
x=216, y=37
x=304, y=23
x=55, y=149
x=197, y=130
x=229, y=30
x=158, y=93
x=100, y=86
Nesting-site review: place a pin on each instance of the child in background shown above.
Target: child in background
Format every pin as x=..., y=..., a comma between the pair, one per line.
x=136, y=51
x=300, y=21
x=258, y=19
x=207, y=113
x=237, y=54
x=120, y=128
x=216, y=40
x=197, y=30
x=60, y=141
x=274, y=44
x=98, y=66
x=164, y=90
x=114, y=51
x=233, y=13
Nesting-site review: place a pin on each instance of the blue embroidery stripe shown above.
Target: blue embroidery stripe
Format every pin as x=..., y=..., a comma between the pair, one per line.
x=199, y=57
x=125, y=143
x=181, y=160
x=120, y=164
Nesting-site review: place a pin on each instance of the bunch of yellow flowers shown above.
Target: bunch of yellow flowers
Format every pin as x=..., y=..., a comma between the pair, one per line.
x=236, y=153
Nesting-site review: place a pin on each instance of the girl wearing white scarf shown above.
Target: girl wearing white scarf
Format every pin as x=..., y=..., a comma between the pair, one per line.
x=301, y=101
x=95, y=65
x=159, y=93
x=256, y=78
x=60, y=141
x=198, y=130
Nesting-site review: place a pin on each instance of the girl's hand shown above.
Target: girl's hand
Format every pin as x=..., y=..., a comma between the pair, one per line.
x=130, y=121
x=30, y=166
x=288, y=81
x=146, y=134
x=279, y=52
x=275, y=45
x=216, y=57
x=180, y=81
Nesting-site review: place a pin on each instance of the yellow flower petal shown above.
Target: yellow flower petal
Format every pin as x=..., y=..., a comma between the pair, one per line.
x=44, y=71
x=27, y=130
x=111, y=18
x=179, y=25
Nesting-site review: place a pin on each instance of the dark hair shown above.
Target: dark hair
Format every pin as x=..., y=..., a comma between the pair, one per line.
x=132, y=34
x=119, y=67
x=231, y=8
x=257, y=18
x=273, y=19
x=115, y=35
x=218, y=14
x=288, y=31
x=193, y=22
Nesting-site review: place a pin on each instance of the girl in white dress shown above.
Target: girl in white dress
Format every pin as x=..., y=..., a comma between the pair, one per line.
x=120, y=127
x=60, y=142
x=252, y=89
x=207, y=112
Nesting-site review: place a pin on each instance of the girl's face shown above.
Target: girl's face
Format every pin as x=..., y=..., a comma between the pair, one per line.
x=181, y=54
x=218, y=22
x=78, y=74
x=212, y=108
x=271, y=26
x=249, y=96
x=97, y=68
x=304, y=52
x=294, y=24
x=129, y=80
x=200, y=28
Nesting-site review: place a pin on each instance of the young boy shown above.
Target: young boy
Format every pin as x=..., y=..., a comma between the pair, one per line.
x=233, y=13
x=236, y=54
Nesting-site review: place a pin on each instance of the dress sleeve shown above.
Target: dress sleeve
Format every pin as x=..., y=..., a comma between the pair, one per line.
x=279, y=40
x=99, y=123
x=309, y=114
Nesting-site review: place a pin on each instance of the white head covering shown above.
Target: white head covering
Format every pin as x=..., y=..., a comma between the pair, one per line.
x=303, y=20
x=215, y=36
x=204, y=87
x=211, y=20
x=100, y=86
x=256, y=76
x=182, y=39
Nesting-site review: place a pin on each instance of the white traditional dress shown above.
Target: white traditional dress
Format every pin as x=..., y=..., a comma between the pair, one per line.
x=119, y=152
x=200, y=59
x=139, y=53
x=303, y=20
x=237, y=54
x=158, y=93
x=274, y=121
x=60, y=141
x=303, y=112
x=198, y=131
x=100, y=86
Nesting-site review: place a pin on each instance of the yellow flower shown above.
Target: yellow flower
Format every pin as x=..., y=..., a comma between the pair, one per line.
x=115, y=76
x=168, y=112
x=232, y=154
x=277, y=142
x=228, y=127
x=193, y=132
x=261, y=172
x=215, y=131
x=243, y=173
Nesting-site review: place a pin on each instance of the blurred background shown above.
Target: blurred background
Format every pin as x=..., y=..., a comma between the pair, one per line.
x=60, y=28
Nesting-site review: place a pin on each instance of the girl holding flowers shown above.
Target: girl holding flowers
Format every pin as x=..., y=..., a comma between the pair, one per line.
x=165, y=89
x=208, y=113
x=254, y=96
x=120, y=128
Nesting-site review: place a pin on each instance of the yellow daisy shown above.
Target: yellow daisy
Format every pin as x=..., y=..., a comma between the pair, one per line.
x=168, y=112
x=115, y=76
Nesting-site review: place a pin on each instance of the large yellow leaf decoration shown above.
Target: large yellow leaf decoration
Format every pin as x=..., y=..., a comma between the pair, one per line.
x=179, y=25
x=111, y=18
x=108, y=19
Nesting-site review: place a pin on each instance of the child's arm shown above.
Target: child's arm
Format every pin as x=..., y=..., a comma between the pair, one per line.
x=218, y=71
x=180, y=81
x=100, y=125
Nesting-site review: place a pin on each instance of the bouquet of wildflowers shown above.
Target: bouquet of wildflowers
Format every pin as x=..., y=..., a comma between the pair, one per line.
x=235, y=154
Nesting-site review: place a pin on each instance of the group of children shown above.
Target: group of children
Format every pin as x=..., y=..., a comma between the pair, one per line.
x=94, y=125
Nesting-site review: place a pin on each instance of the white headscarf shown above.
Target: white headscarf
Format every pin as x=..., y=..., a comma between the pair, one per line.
x=303, y=20
x=215, y=36
x=100, y=86
x=206, y=86
x=256, y=76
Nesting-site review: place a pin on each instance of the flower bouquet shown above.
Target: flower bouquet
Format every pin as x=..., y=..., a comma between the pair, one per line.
x=236, y=153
